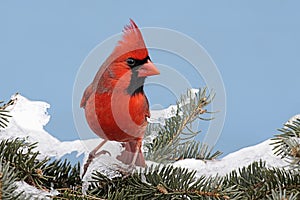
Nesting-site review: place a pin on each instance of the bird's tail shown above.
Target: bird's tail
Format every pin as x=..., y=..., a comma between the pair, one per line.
x=127, y=155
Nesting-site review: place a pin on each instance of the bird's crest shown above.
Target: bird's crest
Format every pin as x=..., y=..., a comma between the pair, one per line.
x=132, y=43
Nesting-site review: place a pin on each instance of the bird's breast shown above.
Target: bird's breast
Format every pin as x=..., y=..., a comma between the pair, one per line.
x=118, y=116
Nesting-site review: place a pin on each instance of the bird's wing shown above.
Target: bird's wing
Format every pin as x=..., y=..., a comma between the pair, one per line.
x=86, y=95
x=92, y=87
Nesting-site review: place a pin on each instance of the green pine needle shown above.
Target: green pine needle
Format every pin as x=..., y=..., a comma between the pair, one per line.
x=287, y=144
x=175, y=140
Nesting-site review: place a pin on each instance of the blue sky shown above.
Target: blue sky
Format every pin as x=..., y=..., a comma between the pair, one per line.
x=255, y=45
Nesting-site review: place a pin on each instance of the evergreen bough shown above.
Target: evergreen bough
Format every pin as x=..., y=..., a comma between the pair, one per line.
x=8, y=179
x=176, y=139
x=4, y=113
x=287, y=144
x=18, y=161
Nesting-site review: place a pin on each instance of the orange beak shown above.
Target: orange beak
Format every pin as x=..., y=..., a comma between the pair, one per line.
x=148, y=69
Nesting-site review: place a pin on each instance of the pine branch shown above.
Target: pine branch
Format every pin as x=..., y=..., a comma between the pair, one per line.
x=160, y=182
x=258, y=182
x=4, y=113
x=282, y=195
x=7, y=182
x=61, y=174
x=74, y=194
x=287, y=144
x=21, y=156
x=255, y=181
x=41, y=174
x=175, y=140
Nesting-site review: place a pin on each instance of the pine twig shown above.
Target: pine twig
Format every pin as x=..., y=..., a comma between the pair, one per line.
x=287, y=144
x=4, y=113
x=175, y=140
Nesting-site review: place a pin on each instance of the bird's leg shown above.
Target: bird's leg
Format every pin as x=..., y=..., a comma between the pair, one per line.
x=135, y=155
x=136, y=152
x=93, y=154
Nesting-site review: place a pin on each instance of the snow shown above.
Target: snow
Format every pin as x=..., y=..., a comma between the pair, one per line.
x=159, y=116
x=28, y=121
x=29, y=118
x=34, y=192
x=233, y=161
x=294, y=118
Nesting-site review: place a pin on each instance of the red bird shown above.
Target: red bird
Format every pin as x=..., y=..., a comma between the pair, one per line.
x=116, y=107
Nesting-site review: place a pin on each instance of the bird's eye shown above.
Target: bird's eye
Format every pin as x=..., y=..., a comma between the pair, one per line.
x=130, y=62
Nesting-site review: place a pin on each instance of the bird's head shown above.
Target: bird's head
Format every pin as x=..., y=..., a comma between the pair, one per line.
x=131, y=58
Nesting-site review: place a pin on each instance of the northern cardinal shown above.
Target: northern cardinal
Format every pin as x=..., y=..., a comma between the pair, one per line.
x=116, y=107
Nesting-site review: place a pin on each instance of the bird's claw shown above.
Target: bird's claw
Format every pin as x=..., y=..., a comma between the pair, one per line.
x=91, y=158
x=102, y=152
